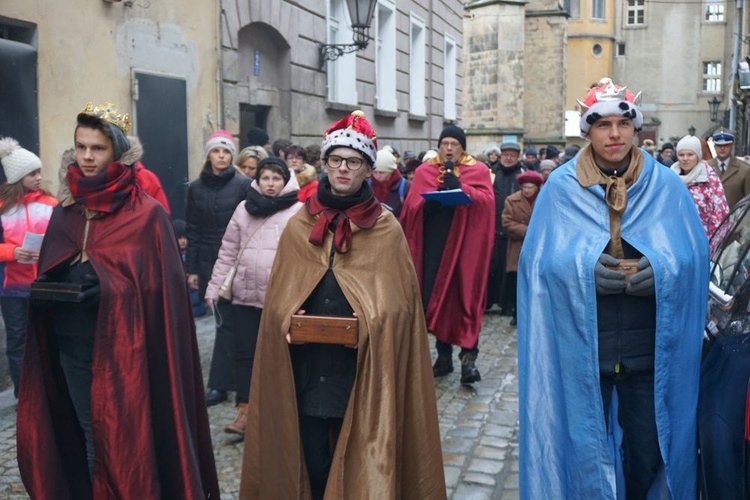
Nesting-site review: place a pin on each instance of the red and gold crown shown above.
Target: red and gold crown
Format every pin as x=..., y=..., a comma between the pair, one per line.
x=108, y=112
x=352, y=131
x=608, y=99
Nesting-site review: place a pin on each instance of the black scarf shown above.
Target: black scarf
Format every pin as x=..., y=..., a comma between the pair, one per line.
x=330, y=200
x=260, y=205
x=213, y=180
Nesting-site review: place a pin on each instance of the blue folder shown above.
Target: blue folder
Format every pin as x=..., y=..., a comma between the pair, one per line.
x=449, y=197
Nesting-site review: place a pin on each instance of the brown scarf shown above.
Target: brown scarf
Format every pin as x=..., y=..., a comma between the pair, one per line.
x=615, y=190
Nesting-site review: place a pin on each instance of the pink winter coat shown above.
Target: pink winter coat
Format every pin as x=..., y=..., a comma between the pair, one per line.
x=708, y=194
x=251, y=281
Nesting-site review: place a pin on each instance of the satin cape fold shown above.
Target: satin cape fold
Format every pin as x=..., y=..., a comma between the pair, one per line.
x=389, y=446
x=564, y=451
x=149, y=420
x=454, y=312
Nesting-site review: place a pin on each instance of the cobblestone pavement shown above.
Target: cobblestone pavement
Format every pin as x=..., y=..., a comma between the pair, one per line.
x=478, y=425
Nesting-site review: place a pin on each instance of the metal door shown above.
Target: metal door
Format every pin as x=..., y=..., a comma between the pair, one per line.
x=161, y=125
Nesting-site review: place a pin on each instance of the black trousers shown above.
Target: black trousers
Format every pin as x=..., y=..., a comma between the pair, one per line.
x=15, y=310
x=637, y=417
x=75, y=329
x=319, y=437
x=495, y=280
x=246, y=323
x=222, y=374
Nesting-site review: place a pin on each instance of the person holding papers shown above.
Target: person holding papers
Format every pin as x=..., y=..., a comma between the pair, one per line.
x=450, y=240
x=25, y=210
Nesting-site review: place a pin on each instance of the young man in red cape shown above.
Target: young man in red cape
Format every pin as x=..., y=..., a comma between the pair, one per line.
x=112, y=400
x=451, y=246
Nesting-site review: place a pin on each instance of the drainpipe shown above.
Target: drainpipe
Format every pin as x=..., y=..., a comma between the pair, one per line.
x=735, y=65
x=220, y=68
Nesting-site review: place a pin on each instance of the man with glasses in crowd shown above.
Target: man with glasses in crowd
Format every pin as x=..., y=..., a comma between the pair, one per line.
x=733, y=172
x=450, y=245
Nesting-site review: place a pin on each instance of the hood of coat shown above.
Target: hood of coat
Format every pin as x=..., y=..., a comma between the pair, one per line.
x=307, y=175
x=290, y=186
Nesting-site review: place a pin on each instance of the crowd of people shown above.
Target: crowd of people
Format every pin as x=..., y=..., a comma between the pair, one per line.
x=599, y=255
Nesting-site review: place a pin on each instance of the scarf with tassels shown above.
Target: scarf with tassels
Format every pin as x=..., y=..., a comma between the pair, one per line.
x=615, y=189
x=105, y=192
x=362, y=208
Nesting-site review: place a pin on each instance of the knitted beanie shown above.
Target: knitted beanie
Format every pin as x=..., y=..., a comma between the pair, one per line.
x=453, y=132
x=220, y=139
x=530, y=176
x=692, y=143
x=17, y=162
x=547, y=165
x=385, y=161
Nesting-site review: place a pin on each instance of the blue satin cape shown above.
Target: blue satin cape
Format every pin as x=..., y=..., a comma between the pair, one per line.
x=564, y=450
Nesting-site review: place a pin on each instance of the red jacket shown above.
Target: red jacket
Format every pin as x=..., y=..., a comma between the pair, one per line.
x=150, y=183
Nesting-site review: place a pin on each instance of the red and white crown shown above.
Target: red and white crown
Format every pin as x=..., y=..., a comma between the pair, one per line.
x=609, y=99
x=352, y=131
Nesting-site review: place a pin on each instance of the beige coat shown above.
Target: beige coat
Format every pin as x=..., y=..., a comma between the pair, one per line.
x=736, y=179
x=516, y=216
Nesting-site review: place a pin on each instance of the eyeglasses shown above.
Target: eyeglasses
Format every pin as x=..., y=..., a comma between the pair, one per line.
x=295, y=158
x=450, y=144
x=335, y=161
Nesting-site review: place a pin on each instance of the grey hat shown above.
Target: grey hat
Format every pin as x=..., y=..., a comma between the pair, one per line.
x=513, y=146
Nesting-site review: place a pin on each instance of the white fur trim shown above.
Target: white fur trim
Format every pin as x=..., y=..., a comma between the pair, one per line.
x=610, y=108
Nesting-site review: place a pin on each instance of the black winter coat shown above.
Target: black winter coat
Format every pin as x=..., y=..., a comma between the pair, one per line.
x=212, y=200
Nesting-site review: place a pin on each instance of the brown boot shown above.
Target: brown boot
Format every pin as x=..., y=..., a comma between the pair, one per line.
x=238, y=426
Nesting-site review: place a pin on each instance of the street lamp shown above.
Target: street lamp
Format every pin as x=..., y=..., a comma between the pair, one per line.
x=360, y=12
x=691, y=130
x=713, y=108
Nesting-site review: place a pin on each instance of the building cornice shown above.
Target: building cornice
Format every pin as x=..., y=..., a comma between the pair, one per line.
x=548, y=13
x=495, y=131
x=485, y=3
x=591, y=35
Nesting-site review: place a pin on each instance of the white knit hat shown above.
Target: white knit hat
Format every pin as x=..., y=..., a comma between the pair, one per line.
x=692, y=143
x=385, y=162
x=17, y=162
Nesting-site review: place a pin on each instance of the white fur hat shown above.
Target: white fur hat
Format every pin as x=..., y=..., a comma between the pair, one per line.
x=385, y=162
x=17, y=162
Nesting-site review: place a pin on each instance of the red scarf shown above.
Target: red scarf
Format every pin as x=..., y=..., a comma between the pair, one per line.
x=383, y=189
x=364, y=215
x=104, y=192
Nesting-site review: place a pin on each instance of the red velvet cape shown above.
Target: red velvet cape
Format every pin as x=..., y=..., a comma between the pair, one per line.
x=454, y=312
x=150, y=426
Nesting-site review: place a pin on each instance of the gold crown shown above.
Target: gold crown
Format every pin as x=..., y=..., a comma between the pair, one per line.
x=108, y=112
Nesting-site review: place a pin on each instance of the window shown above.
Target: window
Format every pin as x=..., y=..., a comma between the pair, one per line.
x=597, y=9
x=712, y=77
x=714, y=11
x=342, y=72
x=385, y=57
x=636, y=12
x=449, y=79
x=620, y=49
x=572, y=7
x=417, y=61
x=597, y=50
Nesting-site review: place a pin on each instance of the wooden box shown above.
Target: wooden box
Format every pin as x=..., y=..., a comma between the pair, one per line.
x=324, y=329
x=57, y=292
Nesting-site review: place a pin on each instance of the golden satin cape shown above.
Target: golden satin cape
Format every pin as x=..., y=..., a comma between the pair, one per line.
x=389, y=446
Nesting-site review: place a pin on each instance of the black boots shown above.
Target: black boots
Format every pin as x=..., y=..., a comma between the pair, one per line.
x=443, y=366
x=215, y=396
x=469, y=372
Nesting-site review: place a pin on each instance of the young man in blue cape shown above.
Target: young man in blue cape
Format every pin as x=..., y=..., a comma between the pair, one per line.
x=599, y=352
